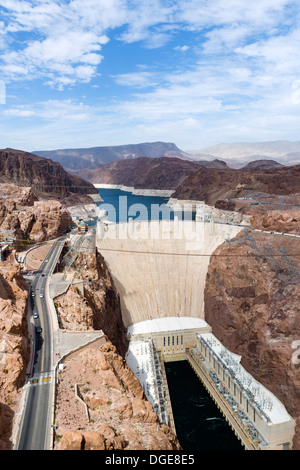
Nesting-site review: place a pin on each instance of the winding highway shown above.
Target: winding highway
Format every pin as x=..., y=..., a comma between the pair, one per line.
x=35, y=430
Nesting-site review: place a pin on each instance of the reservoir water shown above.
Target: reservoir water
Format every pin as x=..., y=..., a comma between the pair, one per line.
x=198, y=421
x=122, y=205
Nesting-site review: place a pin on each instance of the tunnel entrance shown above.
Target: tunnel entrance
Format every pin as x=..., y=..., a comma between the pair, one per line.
x=199, y=423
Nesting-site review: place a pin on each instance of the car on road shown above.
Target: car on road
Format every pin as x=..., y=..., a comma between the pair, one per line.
x=41, y=296
x=35, y=315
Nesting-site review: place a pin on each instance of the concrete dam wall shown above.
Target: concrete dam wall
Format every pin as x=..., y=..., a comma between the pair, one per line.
x=160, y=267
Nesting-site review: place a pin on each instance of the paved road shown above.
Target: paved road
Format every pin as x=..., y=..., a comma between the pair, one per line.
x=35, y=432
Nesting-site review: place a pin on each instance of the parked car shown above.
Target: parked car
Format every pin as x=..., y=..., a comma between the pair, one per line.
x=35, y=315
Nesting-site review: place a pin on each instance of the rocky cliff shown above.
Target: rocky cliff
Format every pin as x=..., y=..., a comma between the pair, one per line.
x=98, y=306
x=120, y=418
x=32, y=220
x=252, y=299
x=287, y=221
x=14, y=346
x=211, y=184
x=208, y=181
x=147, y=173
x=47, y=179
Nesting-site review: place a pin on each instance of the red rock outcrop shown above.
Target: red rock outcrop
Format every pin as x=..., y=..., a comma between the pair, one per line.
x=14, y=345
x=120, y=418
x=20, y=196
x=278, y=221
x=47, y=179
x=211, y=184
x=37, y=223
x=143, y=172
x=98, y=306
x=252, y=299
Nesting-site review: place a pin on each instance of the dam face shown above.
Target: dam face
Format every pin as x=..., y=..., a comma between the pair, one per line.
x=160, y=267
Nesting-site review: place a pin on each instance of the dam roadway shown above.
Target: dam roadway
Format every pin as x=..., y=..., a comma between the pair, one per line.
x=35, y=431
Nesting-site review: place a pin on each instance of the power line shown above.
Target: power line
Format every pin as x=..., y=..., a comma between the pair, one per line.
x=197, y=254
x=116, y=250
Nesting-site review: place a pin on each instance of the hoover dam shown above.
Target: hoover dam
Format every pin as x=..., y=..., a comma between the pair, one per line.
x=159, y=269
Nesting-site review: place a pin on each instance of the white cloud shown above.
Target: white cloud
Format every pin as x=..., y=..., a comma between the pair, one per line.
x=181, y=48
x=137, y=79
x=52, y=111
x=73, y=33
x=240, y=72
x=68, y=38
x=19, y=112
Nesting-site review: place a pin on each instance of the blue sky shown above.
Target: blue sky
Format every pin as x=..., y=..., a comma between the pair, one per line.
x=109, y=72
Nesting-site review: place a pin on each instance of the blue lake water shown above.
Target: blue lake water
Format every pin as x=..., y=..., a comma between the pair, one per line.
x=122, y=205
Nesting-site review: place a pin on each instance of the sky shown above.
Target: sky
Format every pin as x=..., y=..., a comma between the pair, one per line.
x=77, y=74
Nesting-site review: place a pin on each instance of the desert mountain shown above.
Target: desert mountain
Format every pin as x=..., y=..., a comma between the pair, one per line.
x=143, y=172
x=238, y=154
x=211, y=185
x=263, y=164
x=47, y=179
x=89, y=158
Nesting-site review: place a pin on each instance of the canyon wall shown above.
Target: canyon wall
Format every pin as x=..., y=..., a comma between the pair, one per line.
x=14, y=346
x=37, y=223
x=97, y=306
x=211, y=185
x=47, y=179
x=252, y=299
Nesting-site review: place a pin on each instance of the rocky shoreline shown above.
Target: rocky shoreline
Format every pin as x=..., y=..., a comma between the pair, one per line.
x=137, y=192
